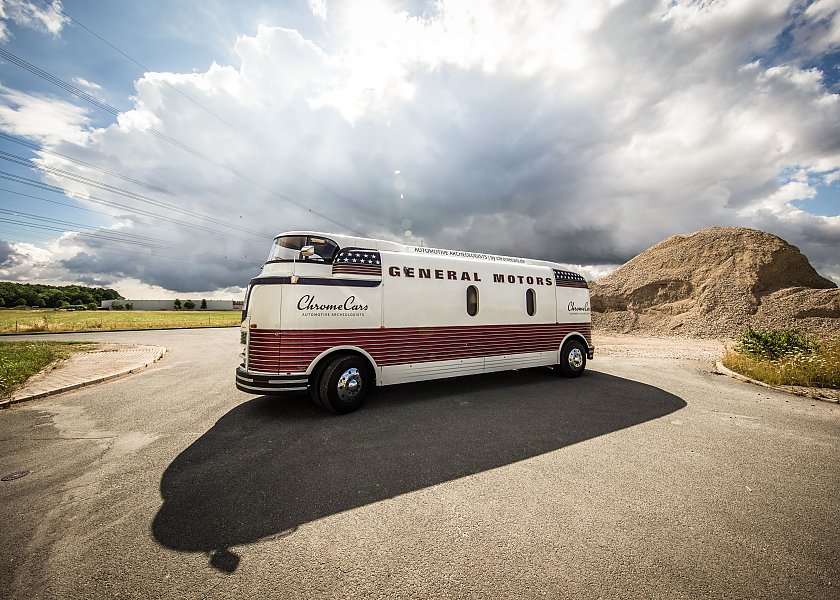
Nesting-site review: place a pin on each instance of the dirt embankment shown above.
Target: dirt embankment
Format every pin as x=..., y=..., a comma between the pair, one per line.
x=713, y=284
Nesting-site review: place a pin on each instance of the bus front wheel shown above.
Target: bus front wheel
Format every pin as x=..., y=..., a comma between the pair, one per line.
x=344, y=384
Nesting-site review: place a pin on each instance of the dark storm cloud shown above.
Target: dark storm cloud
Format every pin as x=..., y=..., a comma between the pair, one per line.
x=9, y=257
x=185, y=273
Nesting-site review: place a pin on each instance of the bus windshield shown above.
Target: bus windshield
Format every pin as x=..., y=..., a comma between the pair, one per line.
x=287, y=248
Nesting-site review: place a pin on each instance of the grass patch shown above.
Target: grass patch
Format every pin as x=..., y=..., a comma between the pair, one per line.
x=21, y=360
x=785, y=358
x=28, y=321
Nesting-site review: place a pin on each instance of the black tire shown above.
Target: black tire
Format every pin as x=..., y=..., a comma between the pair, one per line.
x=344, y=384
x=572, y=359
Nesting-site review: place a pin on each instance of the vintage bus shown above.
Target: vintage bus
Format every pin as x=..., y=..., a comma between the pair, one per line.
x=338, y=315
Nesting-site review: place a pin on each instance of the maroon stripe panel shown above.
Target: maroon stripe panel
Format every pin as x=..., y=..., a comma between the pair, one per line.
x=272, y=351
x=264, y=351
x=357, y=270
x=571, y=284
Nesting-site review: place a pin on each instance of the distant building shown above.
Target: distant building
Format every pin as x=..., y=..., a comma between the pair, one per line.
x=168, y=304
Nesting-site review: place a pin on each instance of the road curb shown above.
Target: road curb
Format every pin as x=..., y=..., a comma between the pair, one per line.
x=824, y=394
x=159, y=353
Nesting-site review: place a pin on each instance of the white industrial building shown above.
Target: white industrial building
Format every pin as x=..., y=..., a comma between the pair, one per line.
x=169, y=304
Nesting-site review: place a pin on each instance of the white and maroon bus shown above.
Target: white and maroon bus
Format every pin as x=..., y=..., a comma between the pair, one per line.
x=338, y=315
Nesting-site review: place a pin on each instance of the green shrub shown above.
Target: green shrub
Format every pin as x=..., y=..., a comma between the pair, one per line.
x=775, y=344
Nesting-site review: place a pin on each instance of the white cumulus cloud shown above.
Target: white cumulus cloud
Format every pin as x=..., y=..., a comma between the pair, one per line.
x=43, y=118
x=44, y=16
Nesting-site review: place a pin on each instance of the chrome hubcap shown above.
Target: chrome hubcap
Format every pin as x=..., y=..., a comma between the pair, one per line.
x=349, y=384
x=575, y=358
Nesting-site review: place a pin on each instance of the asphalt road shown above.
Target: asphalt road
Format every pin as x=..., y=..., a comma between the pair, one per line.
x=643, y=478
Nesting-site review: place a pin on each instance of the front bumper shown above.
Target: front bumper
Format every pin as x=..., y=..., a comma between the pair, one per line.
x=253, y=383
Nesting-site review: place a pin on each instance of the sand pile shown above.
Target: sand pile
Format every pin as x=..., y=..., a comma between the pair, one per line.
x=714, y=283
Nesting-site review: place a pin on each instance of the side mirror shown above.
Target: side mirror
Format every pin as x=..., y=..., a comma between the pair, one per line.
x=305, y=251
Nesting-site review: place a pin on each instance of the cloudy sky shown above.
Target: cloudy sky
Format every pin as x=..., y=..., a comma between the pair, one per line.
x=156, y=147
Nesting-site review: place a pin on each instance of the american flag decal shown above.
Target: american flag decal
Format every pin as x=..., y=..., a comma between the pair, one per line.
x=357, y=261
x=569, y=279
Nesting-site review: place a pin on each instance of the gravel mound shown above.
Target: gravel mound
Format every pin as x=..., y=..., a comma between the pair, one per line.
x=714, y=283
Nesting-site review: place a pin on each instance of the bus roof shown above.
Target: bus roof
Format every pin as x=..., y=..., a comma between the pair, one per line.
x=346, y=241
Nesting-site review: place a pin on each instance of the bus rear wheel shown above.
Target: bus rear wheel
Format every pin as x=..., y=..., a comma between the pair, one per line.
x=572, y=359
x=344, y=383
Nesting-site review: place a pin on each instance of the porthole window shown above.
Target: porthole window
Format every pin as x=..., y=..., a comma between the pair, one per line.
x=472, y=301
x=531, y=302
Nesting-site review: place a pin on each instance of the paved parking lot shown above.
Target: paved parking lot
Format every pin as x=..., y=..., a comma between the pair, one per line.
x=644, y=478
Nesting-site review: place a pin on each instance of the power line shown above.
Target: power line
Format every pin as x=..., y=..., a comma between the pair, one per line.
x=58, y=82
x=110, y=232
x=41, y=238
x=53, y=224
x=186, y=260
x=85, y=234
x=102, y=105
x=103, y=237
x=33, y=164
x=96, y=200
x=39, y=148
x=162, y=136
x=108, y=237
x=211, y=113
x=147, y=69
x=121, y=250
x=90, y=210
x=28, y=162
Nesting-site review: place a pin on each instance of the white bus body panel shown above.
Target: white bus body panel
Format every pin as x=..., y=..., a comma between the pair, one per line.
x=439, y=369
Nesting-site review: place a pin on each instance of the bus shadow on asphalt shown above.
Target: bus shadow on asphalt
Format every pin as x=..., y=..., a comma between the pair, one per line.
x=271, y=464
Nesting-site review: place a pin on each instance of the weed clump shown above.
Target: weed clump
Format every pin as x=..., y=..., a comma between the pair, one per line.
x=784, y=357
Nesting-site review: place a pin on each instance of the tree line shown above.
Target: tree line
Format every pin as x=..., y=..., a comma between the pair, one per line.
x=189, y=304
x=52, y=296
